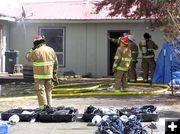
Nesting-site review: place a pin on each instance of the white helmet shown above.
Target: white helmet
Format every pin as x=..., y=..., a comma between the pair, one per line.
x=124, y=118
x=133, y=117
x=105, y=117
x=13, y=119
x=96, y=120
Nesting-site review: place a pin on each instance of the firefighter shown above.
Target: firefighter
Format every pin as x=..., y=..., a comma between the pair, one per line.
x=121, y=65
x=147, y=47
x=45, y=67
x=132, y=75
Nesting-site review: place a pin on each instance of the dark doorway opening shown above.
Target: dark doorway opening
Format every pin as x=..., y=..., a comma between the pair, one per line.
x=112, y=47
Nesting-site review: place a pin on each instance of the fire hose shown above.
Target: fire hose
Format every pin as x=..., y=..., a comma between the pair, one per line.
x=91, y=91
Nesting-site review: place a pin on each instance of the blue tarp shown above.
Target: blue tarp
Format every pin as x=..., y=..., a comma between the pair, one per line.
x=167, y=69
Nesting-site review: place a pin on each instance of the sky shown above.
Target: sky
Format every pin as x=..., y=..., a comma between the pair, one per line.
x=14, y=3
x=21, y=1
x=7, y=6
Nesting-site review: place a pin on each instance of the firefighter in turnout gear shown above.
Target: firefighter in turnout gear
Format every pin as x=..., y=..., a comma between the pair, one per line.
x=121, y=65
x=132, y=75
x=147, y=47
x=45, y=67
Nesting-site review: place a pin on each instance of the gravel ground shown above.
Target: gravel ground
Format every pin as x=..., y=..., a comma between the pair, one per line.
x=22, y=95
x=167, y=105
x=17, y=95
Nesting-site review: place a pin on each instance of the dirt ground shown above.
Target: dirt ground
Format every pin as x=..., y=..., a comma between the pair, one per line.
x=168, y=105
x=22, y=95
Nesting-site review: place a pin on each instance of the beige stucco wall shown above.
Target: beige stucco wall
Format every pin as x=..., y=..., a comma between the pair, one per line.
x=86, y=44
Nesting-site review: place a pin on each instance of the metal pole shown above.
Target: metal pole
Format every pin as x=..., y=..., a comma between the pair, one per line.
x=171, y=74
x=164, y=65
x=3, y=54
x=1, y=49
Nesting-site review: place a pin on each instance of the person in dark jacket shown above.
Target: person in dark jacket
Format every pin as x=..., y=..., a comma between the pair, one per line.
x=147, y=47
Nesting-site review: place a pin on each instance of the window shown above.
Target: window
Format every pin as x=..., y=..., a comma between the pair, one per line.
x=55, y=38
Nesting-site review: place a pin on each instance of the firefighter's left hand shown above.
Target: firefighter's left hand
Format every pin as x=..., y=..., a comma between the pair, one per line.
x=55, y=79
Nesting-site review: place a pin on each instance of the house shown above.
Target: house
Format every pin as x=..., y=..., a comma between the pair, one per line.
x=78, y=36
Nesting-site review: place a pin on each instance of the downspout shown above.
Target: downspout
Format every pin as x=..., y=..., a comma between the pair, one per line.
x=86, y=51
x=96, y=50
x=2, y=50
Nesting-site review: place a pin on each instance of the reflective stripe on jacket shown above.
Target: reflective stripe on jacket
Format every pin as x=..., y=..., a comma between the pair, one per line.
x=44, y=62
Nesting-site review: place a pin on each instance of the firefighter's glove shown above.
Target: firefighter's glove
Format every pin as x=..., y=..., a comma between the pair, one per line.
x=55, y=79
x=114, y=69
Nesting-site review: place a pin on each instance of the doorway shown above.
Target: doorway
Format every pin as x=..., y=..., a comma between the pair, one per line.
x=112, y=47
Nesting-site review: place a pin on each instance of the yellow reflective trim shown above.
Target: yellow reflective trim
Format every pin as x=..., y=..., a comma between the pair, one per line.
x=122, y=68
x=126, y=59
x=45, y=76
x=148, y=56
x=134, y=52
x=116, y=57
x=114, y=65
x=47, y=63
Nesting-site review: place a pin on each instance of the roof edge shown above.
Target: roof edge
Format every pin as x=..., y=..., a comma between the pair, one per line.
x=85, y=21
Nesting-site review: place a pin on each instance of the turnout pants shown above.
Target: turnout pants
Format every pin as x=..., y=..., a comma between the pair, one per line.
x=121, y=80
x=132, y=76
x=44, y=92
x=148, y=66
